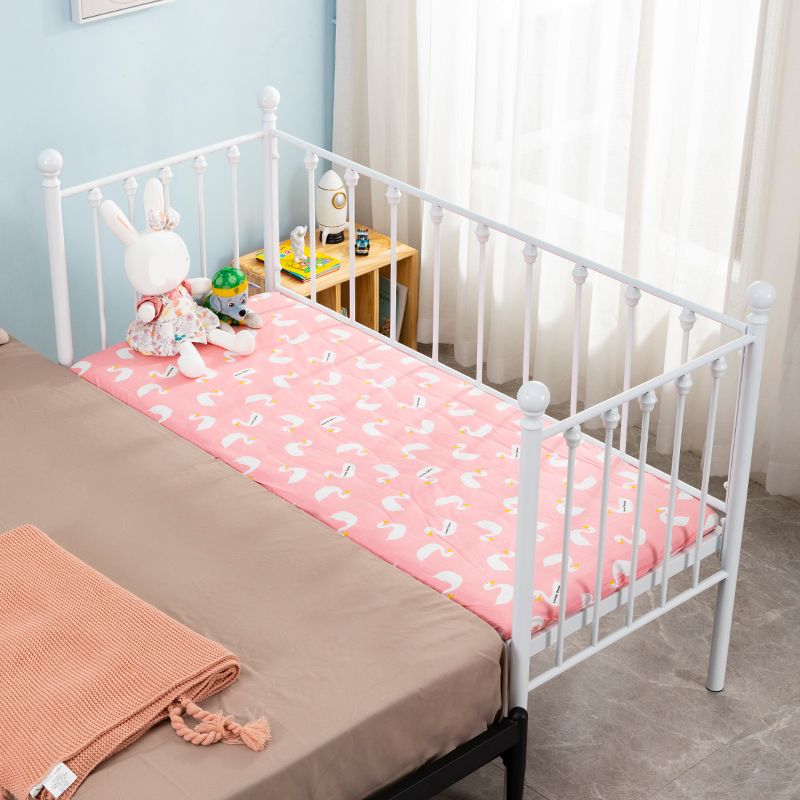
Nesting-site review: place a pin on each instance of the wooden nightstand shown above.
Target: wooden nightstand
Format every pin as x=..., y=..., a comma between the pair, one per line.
x=334, y=288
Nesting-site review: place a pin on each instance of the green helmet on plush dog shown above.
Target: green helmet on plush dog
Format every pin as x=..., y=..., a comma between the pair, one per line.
x=228, y=298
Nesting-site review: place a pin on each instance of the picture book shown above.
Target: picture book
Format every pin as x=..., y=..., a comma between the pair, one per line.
x=325, y=263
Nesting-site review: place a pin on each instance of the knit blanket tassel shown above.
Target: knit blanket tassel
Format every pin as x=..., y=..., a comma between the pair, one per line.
x=213, y=728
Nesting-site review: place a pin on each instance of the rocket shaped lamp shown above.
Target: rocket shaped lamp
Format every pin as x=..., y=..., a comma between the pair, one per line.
x=331, y=208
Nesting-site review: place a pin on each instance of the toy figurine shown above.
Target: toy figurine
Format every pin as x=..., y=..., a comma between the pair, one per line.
x=362, y=242
x=298, y=239
x=169, y=322
x=228, y=299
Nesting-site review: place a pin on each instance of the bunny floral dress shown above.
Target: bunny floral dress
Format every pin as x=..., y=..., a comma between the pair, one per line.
x=178, y=319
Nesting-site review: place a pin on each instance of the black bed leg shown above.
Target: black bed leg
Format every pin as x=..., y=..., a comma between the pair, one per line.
x=514, y=759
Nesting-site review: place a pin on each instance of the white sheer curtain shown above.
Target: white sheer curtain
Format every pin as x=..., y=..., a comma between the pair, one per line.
x=615, y=128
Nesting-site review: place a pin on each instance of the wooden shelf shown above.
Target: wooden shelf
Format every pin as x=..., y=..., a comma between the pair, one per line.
x=334, y=286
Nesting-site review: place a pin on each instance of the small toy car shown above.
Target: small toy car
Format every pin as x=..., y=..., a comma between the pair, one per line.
x=362, y=242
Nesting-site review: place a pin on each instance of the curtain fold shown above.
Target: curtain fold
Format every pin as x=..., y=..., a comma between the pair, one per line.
x=653, y=137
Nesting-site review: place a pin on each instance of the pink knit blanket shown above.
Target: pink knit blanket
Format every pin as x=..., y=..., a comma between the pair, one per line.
x=87, y=668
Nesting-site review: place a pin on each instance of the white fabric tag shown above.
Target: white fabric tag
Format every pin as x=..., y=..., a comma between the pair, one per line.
x=61, y=777
x=37, y=790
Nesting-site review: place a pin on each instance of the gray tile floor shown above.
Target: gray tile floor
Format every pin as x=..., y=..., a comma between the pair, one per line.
x=635, y=722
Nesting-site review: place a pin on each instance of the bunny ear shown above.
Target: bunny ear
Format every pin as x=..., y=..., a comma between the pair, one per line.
x=117, y=222
x=153, y=199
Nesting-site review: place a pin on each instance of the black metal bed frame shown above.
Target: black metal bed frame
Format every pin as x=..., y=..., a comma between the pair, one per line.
x=506, y=739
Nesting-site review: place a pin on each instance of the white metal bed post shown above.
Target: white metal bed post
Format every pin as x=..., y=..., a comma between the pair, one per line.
x=533, y=398
x=269, y=98
x=760, y=299
x=50, y=163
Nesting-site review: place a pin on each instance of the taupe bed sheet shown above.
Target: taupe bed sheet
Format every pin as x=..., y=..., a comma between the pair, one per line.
x=364, y=673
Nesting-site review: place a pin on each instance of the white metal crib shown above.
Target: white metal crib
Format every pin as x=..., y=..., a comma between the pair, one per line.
x=533, y=397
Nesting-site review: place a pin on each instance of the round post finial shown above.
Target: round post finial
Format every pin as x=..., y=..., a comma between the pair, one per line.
x=437, y=214
x=482, y=233
x=393, y=195
x=50, y=163
x=533, y=398
x=760, y=299
x=269, y=98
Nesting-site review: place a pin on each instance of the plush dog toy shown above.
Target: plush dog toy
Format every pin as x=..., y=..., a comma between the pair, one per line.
x=228, y=299
x=168, y=320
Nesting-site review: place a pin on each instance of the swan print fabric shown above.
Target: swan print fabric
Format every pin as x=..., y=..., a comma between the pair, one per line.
x=407, y=461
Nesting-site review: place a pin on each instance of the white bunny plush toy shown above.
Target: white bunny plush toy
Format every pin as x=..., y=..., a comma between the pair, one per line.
x=168, y=320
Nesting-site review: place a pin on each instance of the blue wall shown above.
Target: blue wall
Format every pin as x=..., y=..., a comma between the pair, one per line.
x=125, y=91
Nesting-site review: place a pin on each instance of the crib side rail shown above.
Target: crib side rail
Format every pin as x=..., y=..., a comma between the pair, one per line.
x=533, y=399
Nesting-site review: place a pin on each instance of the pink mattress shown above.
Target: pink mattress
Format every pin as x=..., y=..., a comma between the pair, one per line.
x=414, y=464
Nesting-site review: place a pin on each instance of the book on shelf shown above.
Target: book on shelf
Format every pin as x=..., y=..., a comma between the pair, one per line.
x=325, y=263
x=384, y=306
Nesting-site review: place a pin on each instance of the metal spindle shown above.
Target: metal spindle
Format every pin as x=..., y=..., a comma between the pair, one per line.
x=165, y=176
x=647, y=403
x=572, y=436
x=393, y=197
x=129, y=186
x=95, y=198
x=200, y=165
x=529, y=255
x=632, y=297
x=482, y=235
x=311, y=160
x=233, y=158
x=610, y=421
x=687, y=318
x=269, y=99
x=683, y=386
x=437, y=215
x=718, y=368
x=351, y=179
x=579, y=275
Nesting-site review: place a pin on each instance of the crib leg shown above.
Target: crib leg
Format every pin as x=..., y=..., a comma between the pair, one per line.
x=515, y=758
x=760, y=298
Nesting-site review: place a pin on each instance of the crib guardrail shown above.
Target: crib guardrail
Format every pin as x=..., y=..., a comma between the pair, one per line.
x=533, y=397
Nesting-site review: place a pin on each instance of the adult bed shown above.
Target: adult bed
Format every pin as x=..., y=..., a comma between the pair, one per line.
x=347, y=657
